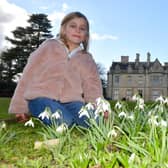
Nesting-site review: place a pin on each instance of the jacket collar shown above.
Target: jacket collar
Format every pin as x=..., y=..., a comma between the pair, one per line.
x=74, y=51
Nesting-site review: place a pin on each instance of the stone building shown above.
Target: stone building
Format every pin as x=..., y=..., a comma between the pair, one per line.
x=149, y=79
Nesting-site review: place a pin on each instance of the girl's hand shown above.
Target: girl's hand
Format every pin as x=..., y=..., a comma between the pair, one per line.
x=22, y=117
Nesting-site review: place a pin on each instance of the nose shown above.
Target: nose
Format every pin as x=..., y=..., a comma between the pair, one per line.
x=78, y=29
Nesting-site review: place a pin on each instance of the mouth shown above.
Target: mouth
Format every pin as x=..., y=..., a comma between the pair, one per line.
x=77, y=36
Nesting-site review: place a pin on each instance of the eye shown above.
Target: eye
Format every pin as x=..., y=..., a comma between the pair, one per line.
x=72, y=26
x=83, y=28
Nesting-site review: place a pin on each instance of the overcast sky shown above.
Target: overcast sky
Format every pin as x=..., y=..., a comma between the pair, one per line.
x=118, y=27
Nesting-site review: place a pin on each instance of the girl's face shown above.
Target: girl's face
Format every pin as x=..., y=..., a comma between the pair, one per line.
x=75, y=31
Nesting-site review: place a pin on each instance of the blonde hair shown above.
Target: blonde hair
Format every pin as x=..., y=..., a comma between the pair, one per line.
x=69, y=17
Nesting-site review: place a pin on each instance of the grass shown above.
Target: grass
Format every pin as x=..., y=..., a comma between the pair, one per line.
x=19, y=152
x=85, y=149
x=4, y=103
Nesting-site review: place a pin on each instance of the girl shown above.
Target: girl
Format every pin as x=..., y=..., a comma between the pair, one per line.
x=60, y=75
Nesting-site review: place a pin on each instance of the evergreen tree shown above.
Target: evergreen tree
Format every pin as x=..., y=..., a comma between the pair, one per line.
x=25, y=41
x=38, y=29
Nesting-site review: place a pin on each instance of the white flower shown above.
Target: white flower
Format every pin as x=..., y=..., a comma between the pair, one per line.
x=163, y=123
x=153, y=120
x=131, y=158
x=3, y=126
x=45, y=114
x=160, y=99
x=166, y=101
x=118, y=105
x=106, y=106
x=56, y=115
x=102, y=106
x=150, y=112
x=98, y=100
x=141, y=106
x=29, y=123
x=135, y=98
x=141, y=101
x=131, y=117
x=89, y=106
x=63, y=127
x=98, y=110
x=112, y=133
x=83, y=112
x=122, y=114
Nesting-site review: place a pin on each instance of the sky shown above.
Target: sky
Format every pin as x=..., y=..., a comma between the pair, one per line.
x=117, y=27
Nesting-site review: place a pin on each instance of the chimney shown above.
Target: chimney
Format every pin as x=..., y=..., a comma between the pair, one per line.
x=124, y=59
x=137, y=57
x=148, y=57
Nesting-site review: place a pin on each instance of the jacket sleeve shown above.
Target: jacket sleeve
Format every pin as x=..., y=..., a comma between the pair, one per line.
x=91, y=83
x=18, y=104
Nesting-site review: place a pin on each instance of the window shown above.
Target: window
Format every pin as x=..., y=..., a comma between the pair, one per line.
x=140, y=80
x=155, y=94
x=116, y=94
x=129, y=94
x=129, y=79
x=116, y=79
x=156, y=80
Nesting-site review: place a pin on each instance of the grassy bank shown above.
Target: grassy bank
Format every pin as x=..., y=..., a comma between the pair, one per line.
x=131, y=139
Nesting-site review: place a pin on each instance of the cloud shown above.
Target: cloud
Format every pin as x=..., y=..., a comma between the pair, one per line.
x=57, y=16
x=11, y=16
x=55, y=19
x=65, y=7
x=95, y=36
x=44, y=8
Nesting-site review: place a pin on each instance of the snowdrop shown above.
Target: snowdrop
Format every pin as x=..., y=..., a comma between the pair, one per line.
x=90, y=106
x=112, y=133
x=118, y=105
x=102, y=106
x=122, y=114
x=3, y=125
x=98, y=101
x=135, y=98
x=29, y=123
x=160, y=99
x=141, y=106
x=131, y=158
x=63, y=127
x=45, y=114
x=83, y=112
x=166, y=101
x=131, y=117
x=150, y=112
x=163, y=123
x=98, y=111
x=141, y=101
x=103, y=103
x=56, y=115
x=153, y=120
x=106, y=106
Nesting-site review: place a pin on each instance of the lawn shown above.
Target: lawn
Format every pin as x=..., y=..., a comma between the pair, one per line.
x=131, y=137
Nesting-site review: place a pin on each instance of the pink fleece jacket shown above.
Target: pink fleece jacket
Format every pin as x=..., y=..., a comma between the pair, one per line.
x=50, y=73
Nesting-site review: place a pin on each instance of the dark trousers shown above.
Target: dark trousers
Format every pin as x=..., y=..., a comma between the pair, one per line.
x=69, y=111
